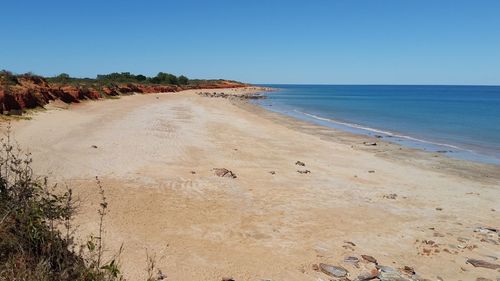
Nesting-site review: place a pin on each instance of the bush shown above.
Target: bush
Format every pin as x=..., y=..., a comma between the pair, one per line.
x=7, y=78
x=115, y=77
x=62, y=78
x=141, y=78
x=165, y=78
x=102, y=80
x=183, y=80
x=32, y=214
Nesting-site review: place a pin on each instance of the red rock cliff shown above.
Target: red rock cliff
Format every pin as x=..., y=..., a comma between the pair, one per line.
x=23, y=92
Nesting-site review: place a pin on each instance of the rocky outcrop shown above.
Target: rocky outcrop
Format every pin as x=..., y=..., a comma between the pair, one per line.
x=28, y=91
x=223, y=95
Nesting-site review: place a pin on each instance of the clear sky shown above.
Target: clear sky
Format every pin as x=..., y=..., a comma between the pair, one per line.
x=258, y=41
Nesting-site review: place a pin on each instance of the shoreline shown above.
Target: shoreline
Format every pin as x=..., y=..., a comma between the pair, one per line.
x=451, y=149
x=156, y=154
x=394, y=151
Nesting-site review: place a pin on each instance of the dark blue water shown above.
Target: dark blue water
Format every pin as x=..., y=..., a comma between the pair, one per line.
x=461, y=121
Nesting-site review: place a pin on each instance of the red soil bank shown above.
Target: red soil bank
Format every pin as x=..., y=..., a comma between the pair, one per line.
x=24, y=92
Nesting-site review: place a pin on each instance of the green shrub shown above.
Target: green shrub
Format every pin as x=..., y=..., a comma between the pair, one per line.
x=183, y=80
x=32, y=215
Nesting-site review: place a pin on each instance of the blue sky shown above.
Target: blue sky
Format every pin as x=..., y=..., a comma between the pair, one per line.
x=259, y=41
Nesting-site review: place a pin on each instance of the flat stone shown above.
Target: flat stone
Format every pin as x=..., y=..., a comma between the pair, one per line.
x=481, y=263
x=367, y=275
x=223, y=172
x=369, y=259
x=392, y=276
x=486, y=230
x=383, y=268
x=334, y=271
x=351, y=259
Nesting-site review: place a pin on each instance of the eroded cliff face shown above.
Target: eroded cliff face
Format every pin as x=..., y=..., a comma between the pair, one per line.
x=24, y=92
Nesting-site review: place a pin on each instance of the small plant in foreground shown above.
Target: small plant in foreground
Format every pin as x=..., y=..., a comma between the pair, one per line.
x=36, y=234
x=32, y=214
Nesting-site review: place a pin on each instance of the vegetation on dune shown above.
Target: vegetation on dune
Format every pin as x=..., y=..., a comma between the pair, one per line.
x=37, y=239
x=121, y=78
x=162, y=78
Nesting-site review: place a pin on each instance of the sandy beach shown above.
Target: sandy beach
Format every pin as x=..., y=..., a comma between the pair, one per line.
x=156, y=154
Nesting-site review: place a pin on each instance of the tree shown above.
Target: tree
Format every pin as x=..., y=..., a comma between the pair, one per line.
x=183, y=80
x=140, y=77
x=63, y=76
x=165, y=78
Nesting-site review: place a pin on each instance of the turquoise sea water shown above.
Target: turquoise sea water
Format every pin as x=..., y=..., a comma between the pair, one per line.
x=461, y=121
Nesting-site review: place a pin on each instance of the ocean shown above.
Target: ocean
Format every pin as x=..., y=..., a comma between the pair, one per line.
x=460, y=121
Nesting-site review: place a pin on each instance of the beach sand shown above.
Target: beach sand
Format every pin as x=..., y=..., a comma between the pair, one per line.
x=155, y=156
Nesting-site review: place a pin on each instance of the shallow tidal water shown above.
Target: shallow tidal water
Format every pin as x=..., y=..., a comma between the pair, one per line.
x=460, y=121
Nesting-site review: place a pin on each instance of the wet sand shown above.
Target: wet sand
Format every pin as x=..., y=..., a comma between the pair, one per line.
x=155, y=156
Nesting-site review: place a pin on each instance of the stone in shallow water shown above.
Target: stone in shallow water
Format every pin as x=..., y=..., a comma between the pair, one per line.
x=334, y=271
